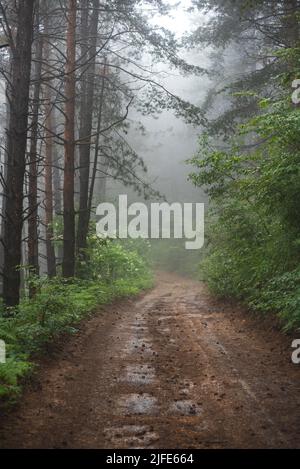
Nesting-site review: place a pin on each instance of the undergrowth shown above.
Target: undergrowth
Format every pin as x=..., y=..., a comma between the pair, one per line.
x=112, y=271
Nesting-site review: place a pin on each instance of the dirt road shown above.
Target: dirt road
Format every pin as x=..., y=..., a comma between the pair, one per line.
x=174, y=368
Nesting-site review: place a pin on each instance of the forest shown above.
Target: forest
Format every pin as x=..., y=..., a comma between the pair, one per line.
x=248, y=160
x=66, y=109
x=164, y=101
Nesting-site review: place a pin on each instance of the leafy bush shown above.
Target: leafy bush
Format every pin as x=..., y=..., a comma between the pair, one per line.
x=253, y=239
x=281, y=294
x=59, y=305
x=107, y=260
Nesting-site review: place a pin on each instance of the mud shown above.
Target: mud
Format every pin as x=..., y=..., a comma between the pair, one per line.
x=175, y=368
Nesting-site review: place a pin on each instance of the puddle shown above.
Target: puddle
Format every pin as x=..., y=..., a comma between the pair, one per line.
x=201, y=316
x=139, y=374
x=221, y=348
x=185, y=408
x=139, y=318
x=164, y=330
x=133, y=436
x=139, y=328
x=137, y=344
x=138, y=404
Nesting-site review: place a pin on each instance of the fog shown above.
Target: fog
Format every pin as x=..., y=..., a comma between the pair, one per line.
x=168, y=141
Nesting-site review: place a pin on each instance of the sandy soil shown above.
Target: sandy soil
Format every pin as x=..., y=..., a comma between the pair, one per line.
x=175, y=368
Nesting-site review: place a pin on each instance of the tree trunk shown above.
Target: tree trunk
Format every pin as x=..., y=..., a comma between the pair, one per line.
x=50, y=252
x=97, y=147
x=68, y=267
x=4, y=161
x=102, y=184
x=86, y=125
x=33, y=256
x=17, y=140
x=57, y=181
x=291, y=23
x=57, y=186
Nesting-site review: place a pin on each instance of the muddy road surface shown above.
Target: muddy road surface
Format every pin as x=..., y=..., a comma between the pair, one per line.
x=174, y=368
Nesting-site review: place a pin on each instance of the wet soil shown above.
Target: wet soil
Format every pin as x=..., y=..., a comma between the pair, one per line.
x=175, y=368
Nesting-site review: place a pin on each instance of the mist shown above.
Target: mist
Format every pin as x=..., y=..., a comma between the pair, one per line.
x=150, y=230
x=166, y=142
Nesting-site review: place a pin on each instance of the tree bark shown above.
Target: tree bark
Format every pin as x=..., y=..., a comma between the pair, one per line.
x=33, y=255
x=68, y=266
x=57, y=181
x=57, y=186
x=50, y=252
x=86, y=125
x=291, y=23
x=17, y=140
x=97, y=147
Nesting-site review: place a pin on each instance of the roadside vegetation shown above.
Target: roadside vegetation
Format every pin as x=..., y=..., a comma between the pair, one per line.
x=248, y=162
x=113, y=271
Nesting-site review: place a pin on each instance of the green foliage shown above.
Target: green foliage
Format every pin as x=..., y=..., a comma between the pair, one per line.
x=281, y=293
x=107, y=260
x=253, y=236
x=254, y=65
x=114, y=271
x=10, y=374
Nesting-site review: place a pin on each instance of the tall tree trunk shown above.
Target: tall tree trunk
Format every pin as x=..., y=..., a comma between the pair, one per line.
x=4, y=160
x=17, y=140
x=33, y=256
x=83, y=166
x=57, y=186
x=57, y=181
x=51, y=260
x=291, y=23
x=97, y=147
x=68, y=266
x=86, y=125
x=50, y=252
x=102, y=184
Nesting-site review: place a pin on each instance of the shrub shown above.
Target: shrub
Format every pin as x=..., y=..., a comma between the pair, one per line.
x=59, y=305
x=253, y=248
